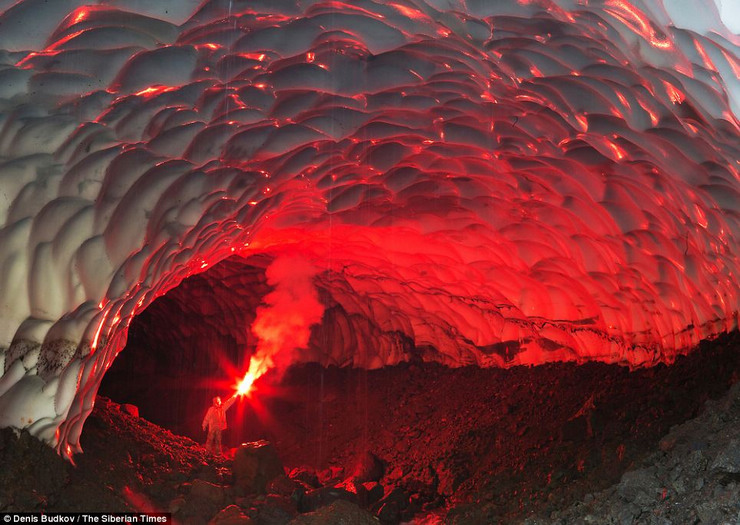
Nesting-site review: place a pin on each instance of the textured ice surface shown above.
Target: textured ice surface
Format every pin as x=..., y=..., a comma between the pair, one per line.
x=499, y=182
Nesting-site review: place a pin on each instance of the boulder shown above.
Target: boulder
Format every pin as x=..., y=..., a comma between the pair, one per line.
x=284, y=486
x=399, y=495
x=277, y=510
x=728, y=458
x=176, y=504
x=390, y=507
x=255, y=465
x=374, y=491
x=330, y=475
x=396, y=474
x=323, y=496
x=389, y=512
x=639, y=487
x=131, y=410
x=340, y=512
x=306, y=476
x=368, y=468
x=231, y=515
x=200, y=504
x=202, y=490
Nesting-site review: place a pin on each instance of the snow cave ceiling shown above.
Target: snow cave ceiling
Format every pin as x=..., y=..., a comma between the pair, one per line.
x=487, y=183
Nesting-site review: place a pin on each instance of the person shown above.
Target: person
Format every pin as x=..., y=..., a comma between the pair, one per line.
x=215, y=423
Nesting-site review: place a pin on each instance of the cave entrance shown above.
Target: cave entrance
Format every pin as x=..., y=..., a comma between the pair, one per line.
x=195, y=342
x=190, y=345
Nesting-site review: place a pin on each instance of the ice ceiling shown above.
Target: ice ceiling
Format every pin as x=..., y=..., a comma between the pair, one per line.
x=498, y=183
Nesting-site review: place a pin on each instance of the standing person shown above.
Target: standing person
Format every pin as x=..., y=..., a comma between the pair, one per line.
x=215, y=423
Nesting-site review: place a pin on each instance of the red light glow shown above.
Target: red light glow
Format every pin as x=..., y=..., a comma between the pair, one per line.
x=245, y=385
x=413, y=14
x=153, y=91
x=81, y=14
x=638, y=21
x=676, y=95
x=257, y=368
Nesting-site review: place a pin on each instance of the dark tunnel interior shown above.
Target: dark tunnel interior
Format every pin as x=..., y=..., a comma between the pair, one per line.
x=195, y=342
x=189, y=346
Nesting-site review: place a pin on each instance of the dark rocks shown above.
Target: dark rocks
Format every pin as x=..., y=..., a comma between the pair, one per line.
x=667, y=443
x=340, y=512
x=728, y=458
x=576, y=429
x=692, y=477
x=131, y=410
x=396, y=474
x=639, y=486
x=176, y=504
x=474, y=441
x=331, y=475
x=390, y=508
x=450, y=479
x=207, y=492
x=389, y=512
x=368, y=468
x=255, y=465
x=231, y=515
x=28, y=469
x=200, y=504
x=277, y=510
x=465, y=515
x=323, y=496
x=373, y=492
x=285, y=486
x=306, y=476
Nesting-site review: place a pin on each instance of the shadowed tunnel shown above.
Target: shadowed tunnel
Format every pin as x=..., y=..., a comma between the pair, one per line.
x=232, y=188
x=192, y=343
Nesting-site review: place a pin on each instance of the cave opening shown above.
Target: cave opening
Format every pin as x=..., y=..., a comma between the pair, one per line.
x=196, y=341
x=189, y=345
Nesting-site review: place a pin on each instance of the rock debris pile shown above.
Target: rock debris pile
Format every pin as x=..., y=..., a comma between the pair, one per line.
x=694, y=477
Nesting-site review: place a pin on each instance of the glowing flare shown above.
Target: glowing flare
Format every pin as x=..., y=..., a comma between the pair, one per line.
x=257, y=368
x=245, y=384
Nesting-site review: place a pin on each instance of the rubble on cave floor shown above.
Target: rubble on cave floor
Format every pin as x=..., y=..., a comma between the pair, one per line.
x=561, y=443
x=132, y=465
x=693, y=477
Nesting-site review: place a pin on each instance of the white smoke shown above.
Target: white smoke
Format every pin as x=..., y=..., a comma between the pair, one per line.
x=283, y=324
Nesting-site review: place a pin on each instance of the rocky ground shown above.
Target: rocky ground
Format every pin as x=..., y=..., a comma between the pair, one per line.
x=693, y=477
x=561, y=443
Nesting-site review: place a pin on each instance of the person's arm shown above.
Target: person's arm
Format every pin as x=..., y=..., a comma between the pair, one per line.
x=229, y=402
x=207, y=418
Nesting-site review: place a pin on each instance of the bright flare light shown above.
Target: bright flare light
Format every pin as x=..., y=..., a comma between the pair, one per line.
x=245, y=384
x=257, y=368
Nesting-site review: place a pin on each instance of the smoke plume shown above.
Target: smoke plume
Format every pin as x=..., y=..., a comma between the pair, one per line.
x=283, y=323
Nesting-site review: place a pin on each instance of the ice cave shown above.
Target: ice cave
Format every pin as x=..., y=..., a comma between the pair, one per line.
x=359, y=184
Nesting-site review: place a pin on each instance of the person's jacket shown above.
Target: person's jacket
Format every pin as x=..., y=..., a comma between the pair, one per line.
x=216, y=416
